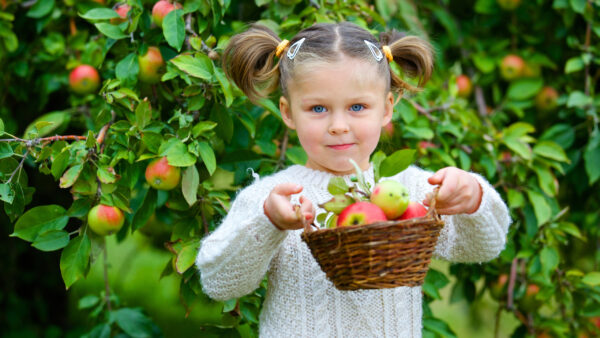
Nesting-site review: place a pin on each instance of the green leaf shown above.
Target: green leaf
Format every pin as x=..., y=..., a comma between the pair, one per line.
x=1, y=127
x=186, y=257
x=337, y=186
x=189, y=185
x=225, y=85
x=87, y=302
x=40, y=9
x=111, y=31
x=578, y=5
x=177, y=153
x=296, y=155
x=70, y=176
x=591, y=156
x=208, y=157
x=174, y=29
x=523, y=89
x=128, y=68
x=48, y=124
x=483, y=63
x=397, y=162
x=542, y=209
x=6, y=150
x=100, y=14
x=194, y=66
x=549, y=258
x=133, y=322
x=551, y=150
x=573, y=65
x=142, y=215
x=143, y=114
x=579, y=100
x=202, y=127
x=51, y=240
x=60, y=163
x=106, y=174
x=591, y=278
x=7, y=194
x=38, y=220
x=74, y=259
x=571, y=229
x=545, y=179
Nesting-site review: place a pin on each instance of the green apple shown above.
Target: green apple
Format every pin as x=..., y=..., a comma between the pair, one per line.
x=161, y=175
x=84, y=79
x=151, y=65
x=105, y=220
x=360, y=213
x=391, y=196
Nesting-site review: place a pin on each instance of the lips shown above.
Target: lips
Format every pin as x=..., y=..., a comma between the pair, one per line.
x=341, y=146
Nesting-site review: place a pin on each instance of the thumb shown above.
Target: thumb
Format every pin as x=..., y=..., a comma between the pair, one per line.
x=287, y=189
x=438, y=177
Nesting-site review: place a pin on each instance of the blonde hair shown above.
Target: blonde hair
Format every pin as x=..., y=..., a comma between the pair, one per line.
x=250, y=61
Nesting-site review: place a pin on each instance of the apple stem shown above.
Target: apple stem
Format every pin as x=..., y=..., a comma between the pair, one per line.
x=106, y=285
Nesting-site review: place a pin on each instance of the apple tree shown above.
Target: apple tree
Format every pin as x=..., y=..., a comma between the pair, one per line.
x=114, y=114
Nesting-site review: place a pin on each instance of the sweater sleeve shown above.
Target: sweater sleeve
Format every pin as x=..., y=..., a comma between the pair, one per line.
x=233, y=259
x=479, y=236
x=476, y=237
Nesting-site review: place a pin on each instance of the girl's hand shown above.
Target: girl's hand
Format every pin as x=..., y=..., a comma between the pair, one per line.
x=282, y=213
x=459, y=192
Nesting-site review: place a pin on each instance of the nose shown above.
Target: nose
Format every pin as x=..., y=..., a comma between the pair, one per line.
x=338, y=124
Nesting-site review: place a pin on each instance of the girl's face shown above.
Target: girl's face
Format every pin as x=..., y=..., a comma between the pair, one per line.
x=337, y=110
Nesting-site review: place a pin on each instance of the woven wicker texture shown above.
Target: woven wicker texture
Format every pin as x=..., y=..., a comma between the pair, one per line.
x=379, y=255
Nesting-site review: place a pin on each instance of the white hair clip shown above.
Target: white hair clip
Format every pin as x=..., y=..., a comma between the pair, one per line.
x=291, y=53
x=377, y=54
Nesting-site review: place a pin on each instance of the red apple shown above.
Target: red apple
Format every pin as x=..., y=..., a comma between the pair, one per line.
x=511, y=67
x=387, y=132
x=465, y=87
x=509, y=4
x=391, y=196
x=161, y=175
x=414, y=210
x=84, y=79
x=360, y=213
x=161, y=9
x=105, y=220
x=546, y=99
x=529, y=303
x=498, y=287
x=122, y=10
x=151, y=66
x=426, y=145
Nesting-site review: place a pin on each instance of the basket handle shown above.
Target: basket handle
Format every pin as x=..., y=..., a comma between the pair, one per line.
x=300, y=217
x=432, y=203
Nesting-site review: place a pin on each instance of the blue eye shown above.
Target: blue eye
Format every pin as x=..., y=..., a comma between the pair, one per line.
x=319, y=109
x=357, y=107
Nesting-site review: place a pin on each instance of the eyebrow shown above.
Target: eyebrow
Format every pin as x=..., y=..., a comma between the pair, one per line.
x=316, y=99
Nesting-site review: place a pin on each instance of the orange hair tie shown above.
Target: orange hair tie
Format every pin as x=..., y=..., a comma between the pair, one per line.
x=281, y=46
x=388, y=53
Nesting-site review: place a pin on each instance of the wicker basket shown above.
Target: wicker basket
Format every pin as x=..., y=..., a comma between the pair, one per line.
x=379, y=255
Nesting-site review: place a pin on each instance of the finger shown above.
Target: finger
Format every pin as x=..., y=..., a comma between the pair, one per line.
x=427, y=199
x=447, y=189
x=287, y=189
x=438, y=177
x=307, y=208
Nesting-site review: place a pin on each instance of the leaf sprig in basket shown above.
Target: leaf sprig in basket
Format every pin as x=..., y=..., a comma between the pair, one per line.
x=357, y=204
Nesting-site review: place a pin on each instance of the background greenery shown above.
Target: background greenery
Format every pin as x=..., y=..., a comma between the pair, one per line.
x=545, y=161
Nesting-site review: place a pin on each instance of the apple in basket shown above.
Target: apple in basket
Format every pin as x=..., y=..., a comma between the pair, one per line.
x=391, y=197
x=360, y=213
x=413, y=210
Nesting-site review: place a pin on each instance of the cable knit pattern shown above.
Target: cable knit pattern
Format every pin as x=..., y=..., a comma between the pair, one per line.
x=300, y=300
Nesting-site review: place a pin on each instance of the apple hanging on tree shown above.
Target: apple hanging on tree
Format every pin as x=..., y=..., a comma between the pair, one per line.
x=465, y=87
x=84, y=79
x=161, y=175
x=151, y=65
x=161, y=9
x=511, y=67
x=105, y=220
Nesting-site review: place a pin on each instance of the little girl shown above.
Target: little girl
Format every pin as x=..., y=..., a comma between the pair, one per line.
x=337, y=89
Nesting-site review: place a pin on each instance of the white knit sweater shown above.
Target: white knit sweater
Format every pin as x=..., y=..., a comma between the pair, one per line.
x=300, y=300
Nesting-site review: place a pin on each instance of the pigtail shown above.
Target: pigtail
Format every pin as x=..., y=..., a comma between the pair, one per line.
x=249, y=60
x=413, y=54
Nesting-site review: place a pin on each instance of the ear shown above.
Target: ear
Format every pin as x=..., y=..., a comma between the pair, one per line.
x=388, y=109
x=286, y=112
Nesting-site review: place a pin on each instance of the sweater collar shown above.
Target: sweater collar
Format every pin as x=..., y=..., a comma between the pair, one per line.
x=321, y=178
